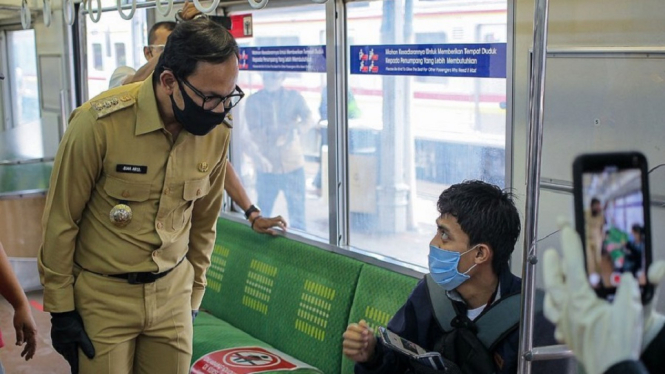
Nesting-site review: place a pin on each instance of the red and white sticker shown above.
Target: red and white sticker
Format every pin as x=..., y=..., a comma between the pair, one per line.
x=615, y=279
x=241, y=361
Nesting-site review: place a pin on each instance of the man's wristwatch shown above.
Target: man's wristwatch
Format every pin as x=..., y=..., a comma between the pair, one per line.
x=252, y=208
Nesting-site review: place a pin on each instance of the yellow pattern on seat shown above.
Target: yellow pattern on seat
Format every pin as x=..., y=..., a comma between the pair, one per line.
x=376, y=317
x=258, y=286
x=314, y=309
x=310, y=330
x=215, y=272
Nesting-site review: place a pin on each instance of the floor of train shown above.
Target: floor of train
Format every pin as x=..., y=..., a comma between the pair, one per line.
x=46, y=359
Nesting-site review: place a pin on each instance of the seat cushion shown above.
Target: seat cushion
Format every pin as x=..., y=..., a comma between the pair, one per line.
x=212, y=334
x=289, y=294
x=379, y=294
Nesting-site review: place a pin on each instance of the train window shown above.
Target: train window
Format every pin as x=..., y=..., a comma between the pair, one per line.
x=274, y=41
x=23, y=77
x=97, y=57
x=114, y=42
x=492, y=33
x=278, y=126
x=417, y=135
x=431, y=38
x=120, y=54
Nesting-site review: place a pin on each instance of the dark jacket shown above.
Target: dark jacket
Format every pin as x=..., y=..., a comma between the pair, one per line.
x=628, y=367
x=415, y=321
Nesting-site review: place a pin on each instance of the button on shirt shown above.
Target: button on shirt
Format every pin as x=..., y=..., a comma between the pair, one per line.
x=116, y=150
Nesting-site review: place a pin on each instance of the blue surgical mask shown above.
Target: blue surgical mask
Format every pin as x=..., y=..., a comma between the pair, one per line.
x=443, y=267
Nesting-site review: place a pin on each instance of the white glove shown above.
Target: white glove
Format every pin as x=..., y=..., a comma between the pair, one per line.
x=599, y=333
x=653, y=321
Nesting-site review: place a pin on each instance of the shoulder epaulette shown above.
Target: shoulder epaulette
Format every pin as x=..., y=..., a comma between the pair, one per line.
x=104, y=107
x=228, y=120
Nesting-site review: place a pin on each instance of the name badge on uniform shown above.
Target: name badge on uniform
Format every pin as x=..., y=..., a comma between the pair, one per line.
x=134, y=169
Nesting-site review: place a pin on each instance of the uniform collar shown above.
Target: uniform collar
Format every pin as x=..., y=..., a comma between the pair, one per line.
x=147, y=118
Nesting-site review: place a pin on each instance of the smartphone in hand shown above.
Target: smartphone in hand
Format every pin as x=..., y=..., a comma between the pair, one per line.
x=612, y=216
x=410, y=349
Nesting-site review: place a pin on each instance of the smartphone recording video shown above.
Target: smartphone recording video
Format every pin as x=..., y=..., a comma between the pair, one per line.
x=612, y=217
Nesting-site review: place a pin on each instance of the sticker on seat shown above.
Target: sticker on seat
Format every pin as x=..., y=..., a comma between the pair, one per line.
x=245, y=360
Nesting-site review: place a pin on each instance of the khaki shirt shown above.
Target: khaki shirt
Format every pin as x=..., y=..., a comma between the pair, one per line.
x=117, y=149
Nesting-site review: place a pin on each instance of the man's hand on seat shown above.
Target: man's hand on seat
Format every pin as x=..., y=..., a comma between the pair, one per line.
x=265, y=225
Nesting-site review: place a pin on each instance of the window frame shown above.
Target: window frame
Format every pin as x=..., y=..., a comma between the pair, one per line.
x=338, y=138
x=338, y=134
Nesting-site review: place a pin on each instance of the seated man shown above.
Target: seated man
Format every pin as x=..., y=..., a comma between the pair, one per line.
x=454, y=309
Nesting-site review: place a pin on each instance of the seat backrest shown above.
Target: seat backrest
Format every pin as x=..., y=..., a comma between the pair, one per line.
x=289, y=294
x=379, y=294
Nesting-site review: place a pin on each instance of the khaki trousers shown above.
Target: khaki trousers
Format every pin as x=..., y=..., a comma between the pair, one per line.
x=137, y=328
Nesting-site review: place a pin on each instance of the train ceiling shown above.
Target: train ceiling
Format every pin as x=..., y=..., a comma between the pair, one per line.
x=10, y=10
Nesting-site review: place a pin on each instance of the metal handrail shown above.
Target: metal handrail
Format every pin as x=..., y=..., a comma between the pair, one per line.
x=657, y=201
x=22, y=194
x=534, y=158
x=549, y=352
x=26, y=161
x=26, y=17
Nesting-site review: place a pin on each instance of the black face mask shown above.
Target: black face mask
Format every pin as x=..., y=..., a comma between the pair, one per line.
x=195, y=119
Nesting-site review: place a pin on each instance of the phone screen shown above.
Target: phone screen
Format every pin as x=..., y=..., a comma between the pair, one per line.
x=614, y=226
x=400, y=343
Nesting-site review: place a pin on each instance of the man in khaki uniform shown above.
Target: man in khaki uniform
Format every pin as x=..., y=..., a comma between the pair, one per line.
x=130, y=218
x=157, y=37
x=594, y=219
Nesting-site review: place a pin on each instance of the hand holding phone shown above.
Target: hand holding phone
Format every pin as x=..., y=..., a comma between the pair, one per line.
x=599, y=333
x=591, y=326
x=611, y=192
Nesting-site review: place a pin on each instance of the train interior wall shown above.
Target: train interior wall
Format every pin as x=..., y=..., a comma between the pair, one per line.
x=623, y=91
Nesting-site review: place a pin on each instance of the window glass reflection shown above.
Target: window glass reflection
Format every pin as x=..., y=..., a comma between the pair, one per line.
x=112, y=43
x=417, y=135
x=279, y=128
x=23, y=78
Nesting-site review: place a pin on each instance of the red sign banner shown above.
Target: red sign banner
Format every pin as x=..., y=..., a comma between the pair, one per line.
x=242, y=26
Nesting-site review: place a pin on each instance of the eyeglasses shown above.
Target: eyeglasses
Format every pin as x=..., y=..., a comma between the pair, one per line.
x=212, y=102
x=159, y=48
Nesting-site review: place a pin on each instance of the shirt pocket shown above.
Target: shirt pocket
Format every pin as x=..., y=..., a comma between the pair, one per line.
x=133, y=194
x=192, y=191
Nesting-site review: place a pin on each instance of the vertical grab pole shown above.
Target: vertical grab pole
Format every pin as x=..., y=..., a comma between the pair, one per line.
x=64, y=114
x=535, y=141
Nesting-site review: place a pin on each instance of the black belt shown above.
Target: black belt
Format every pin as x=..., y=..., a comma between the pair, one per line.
x=141, y=277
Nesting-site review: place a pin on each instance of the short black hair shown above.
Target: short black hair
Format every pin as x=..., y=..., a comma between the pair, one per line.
x=594, y=201
x=486, y=214
x=169, y=25
x=194, y=41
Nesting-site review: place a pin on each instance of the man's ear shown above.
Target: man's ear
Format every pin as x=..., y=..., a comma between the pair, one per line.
x=168, y=81
x=484, y=254
x=147, y=53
